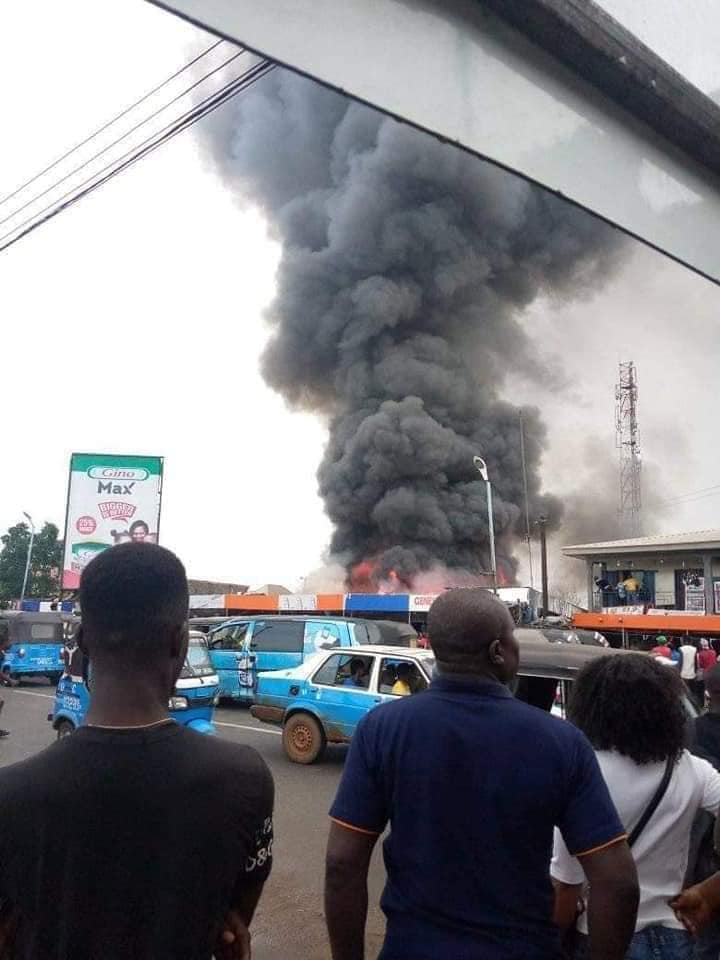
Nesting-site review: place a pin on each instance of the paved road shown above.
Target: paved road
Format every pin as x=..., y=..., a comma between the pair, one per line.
x=289, y=921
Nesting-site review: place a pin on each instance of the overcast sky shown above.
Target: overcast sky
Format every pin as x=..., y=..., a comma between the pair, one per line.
x=133, y=323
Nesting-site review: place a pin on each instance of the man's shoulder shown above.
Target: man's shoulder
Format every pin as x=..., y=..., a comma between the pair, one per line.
x=23, y=776
x=516, y=713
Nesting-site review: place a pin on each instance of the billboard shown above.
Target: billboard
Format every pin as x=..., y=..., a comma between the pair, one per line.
x=111, y=499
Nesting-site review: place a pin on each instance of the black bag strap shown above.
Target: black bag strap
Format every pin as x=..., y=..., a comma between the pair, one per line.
x=654, y=803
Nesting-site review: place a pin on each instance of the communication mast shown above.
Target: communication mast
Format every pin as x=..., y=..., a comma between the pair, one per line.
x=627, y=441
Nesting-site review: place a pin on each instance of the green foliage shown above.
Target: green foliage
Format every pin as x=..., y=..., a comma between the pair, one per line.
x=46, y=565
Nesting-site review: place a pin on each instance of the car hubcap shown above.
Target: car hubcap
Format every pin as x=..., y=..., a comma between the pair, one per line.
x=302, y=738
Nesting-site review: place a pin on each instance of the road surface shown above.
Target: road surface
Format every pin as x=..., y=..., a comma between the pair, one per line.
x=289, y=921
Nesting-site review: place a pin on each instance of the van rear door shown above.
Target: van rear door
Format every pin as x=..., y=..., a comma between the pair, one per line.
x=226, y=655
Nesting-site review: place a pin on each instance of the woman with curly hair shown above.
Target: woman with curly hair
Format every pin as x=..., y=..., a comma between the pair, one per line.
x=630, y=708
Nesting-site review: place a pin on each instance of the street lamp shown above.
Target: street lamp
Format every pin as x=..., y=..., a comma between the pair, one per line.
x=29, y=557
x=482, y=469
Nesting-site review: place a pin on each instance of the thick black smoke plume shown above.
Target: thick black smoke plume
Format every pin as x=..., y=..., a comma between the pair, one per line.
x=406, y=266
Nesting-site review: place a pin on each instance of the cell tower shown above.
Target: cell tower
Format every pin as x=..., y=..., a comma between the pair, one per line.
x=627, y=441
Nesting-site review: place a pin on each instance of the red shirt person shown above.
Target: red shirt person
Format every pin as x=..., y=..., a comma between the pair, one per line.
x=662, y=649
x=707, y=658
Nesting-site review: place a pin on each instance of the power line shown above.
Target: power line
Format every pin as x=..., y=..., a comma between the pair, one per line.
x=187, y=120
x=111, y=122
x=695, y=494
x=115, y=142
x=140, y=150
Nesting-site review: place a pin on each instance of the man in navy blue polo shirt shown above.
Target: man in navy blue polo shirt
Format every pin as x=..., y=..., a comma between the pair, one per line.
x=472, y=782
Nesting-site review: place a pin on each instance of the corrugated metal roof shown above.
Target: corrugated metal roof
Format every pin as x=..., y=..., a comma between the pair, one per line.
x=698, y=539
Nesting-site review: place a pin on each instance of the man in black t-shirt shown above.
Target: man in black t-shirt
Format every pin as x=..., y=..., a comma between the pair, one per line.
x=175, y=836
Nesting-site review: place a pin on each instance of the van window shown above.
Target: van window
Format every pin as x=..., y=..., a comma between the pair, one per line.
x=360, y=632
x=230, y=637
x=44, y=631
x=279, y=636
x=322, y=635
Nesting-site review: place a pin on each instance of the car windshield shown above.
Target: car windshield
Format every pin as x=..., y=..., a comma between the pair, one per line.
x=197, y=661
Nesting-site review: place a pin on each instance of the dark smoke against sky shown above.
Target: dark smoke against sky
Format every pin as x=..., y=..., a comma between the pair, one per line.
x=406, y=268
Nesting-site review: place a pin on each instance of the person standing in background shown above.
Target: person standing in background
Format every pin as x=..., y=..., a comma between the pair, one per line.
x=662, y=647
x=632, y=585
x=675, y=654
x=707, y=658
x=689, y=668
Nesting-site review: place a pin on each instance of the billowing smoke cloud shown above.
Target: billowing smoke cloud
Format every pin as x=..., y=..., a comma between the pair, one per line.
x=406, y=266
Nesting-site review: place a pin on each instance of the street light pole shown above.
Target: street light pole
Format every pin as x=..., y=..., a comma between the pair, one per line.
x=542, y=523
x=483, y=471
x=29, y=557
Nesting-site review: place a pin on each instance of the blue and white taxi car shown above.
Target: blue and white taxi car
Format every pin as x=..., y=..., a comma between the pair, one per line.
x=323, y=700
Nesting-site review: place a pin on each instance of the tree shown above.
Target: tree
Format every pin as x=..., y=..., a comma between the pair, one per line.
x=46, y=564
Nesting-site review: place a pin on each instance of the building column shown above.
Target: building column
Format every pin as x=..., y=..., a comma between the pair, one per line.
x=709, y=590
x=590, y=585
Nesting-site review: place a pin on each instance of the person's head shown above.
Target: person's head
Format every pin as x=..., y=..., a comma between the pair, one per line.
x=357, y=667
x=711, y=678
x=403, y=672
x=134, y=601
x=470, y=631
x=632, y=704
x=139, y=531
x=704, y=645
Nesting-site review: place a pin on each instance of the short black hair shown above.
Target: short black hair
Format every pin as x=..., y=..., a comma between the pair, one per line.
x=463, y=623
x=402, y=669
x=632, y=704
x=131, y=594
x=139, y=523
x=356, y=663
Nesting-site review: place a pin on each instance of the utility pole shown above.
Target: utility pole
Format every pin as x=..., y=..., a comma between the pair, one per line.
x=527, y=499
x=627, y=440
x=542, y=523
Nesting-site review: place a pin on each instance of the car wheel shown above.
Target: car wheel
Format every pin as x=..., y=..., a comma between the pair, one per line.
x=303, y=738
x=64, y=729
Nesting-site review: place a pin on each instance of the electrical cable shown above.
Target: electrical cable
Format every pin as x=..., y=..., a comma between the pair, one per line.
x=692, y=495
x=111, y=122
x=141, y=123
x=206, y=107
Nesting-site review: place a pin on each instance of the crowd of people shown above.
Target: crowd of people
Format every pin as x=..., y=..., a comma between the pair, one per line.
x=694, y=659
x=513, y=834
x=626, y=590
